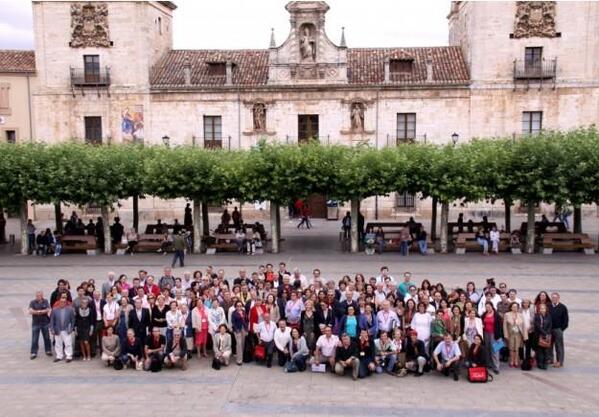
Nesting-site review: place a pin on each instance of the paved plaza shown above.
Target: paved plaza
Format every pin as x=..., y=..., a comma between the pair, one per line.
x=40, y=387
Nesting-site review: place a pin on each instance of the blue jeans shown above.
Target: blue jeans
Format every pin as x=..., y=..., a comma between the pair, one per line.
x=404, y=248
x=31, y=243
x=422, y=245
x=484, y=243
x=57, y=249
x=386, y=364
x=35, y=335
x=179, y=254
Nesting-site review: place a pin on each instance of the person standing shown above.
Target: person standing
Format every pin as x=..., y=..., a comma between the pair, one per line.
x=239, y=323
x=179, y=247
x=62, y=322
x=39, y=309
x=282, y=338
x=187, y=217
x=30, y=237
x=100, y=233
x=515, y=333
x=266, y=334
x=116, y=231
x=543, y=327
x=491, y=333
x=201, y=325
x=559, y=324
x=346, y=225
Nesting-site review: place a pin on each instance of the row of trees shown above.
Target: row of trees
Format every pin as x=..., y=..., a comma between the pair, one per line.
x=554, y=167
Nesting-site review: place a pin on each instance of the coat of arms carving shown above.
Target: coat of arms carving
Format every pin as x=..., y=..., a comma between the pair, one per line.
x=535, y=18
x=89, y=25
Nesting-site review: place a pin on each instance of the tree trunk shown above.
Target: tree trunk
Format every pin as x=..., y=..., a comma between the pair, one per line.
x=274, y=226
x=577, y=219
x=23, y=223
x=444, y=220
x=434, y=220
x=355, y=213
x=136, y=213
x=58, y=217
x=508, y=215
x=530, y=228
x=197, y=226
x=278, y=213
x=205, y=219
x=106, y=222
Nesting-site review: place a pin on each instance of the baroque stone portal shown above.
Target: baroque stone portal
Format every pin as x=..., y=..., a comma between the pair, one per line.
x=535, y=18
x=89, y=25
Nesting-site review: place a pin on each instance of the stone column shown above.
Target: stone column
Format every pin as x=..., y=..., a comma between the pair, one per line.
x=274, y=227
x=530, y=228
x=355, y=210
x=105, y=211
x=197, y=226
x=23, y=223
x=444, y=220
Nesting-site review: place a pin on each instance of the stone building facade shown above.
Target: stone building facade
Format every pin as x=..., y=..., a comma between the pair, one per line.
x=107, y=72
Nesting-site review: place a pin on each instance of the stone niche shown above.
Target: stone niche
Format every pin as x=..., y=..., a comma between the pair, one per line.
x=357, y=120
x=307, y=56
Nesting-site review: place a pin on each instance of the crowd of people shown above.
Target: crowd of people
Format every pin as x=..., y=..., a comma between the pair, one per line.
x=358, y=326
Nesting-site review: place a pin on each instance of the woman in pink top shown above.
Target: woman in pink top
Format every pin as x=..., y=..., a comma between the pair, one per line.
x=199, y=322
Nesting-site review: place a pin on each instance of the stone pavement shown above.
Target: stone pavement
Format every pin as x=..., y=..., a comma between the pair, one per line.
x=40, y=387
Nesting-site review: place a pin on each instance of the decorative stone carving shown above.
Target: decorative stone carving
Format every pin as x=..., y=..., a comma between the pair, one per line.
x=535, y=18
x=357, y=117
x=259, y=113
x=89, y=25
x=307, y=43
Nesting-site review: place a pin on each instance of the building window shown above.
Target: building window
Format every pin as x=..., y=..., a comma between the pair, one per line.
x=213, y=132
x=406, y=126
x=532, y=122
x=404, y=200
x=93, y=130
x=91, y=68
x=217, y=68
x=4, y=99
x=307, y=127
x=533, y=57
x=400, y=66
x=11, y=136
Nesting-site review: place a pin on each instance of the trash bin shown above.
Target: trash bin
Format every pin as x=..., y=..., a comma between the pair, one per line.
x=332, y=210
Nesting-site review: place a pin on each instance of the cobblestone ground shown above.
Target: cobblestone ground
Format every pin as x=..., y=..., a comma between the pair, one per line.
x=40, y=387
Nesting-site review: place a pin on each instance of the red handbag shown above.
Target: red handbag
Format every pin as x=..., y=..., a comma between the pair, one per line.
x=260, y=352
x=478, y=374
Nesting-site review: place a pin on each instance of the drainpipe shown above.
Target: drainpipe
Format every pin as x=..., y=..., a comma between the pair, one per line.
x=29, y=108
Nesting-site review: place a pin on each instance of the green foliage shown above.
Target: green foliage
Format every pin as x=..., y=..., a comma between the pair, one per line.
x=551, y=167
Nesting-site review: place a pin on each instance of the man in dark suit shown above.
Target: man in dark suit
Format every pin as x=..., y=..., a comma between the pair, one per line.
x=97, y=304
x=139, y=320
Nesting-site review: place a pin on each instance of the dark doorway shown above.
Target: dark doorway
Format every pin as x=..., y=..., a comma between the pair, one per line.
x=307, y=127
x=318, y=206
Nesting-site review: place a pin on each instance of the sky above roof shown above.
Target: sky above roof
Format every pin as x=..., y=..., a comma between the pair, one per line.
x=233, y=24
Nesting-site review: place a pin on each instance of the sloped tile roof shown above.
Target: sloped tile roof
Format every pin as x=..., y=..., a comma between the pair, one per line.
x=17, y=61
x=365, y=66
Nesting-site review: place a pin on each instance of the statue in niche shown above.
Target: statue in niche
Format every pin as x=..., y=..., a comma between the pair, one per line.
x=307, y=44
x=357, y=117
x=259, y=111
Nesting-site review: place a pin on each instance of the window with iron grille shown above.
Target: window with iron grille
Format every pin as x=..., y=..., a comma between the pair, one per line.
x=404, y=200
x=93, y=130
x=213, y=133
x=532, y=122
x=406, y=126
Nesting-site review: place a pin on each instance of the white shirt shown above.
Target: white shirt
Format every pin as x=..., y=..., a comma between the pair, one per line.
x=144, y=301
x=387, y=320
x=327, y=345
x=282, y=338
x=266, y=330
x=381, y=278
x=110, y=310
x=173, y=319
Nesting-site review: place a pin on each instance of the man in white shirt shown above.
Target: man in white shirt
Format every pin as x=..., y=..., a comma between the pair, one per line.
x=326, y=346
x=187, y=280
x=266, y=334
x=282, y=339
x=490, y=295
x=384, y=275
x=411, y=295
x=379, y=294
x=447, y=357
x=387, y=318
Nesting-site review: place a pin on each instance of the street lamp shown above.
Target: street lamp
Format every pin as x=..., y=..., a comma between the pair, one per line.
x=454, y=138
x=166, y=140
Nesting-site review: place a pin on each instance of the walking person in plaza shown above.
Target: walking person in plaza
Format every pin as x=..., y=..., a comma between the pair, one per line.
x=39, y=309
x=559, y=324
x=62, y=323
x=179, y=246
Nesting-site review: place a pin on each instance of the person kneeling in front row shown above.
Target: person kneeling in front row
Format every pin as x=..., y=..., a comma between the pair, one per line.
x=222, y=345
x=346, y=357
x=447, y=357
x=416, y=357
x=176, y=351
x=110, y=346
x=131, y=351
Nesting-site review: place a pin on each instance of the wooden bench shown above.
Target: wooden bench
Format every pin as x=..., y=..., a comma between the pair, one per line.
x=79, y=243
x=222, y=241
x=149, y=242
x=453, y=228
x=567, y=242
x=540, y=228
x=465, y=241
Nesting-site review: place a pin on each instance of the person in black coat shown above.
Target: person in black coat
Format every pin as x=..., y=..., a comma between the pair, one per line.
x=365, y=354
x=542, y=326
x=139, y=320
x=416, y=356
x=476, y=353
x=131, y=350
x=324, y=318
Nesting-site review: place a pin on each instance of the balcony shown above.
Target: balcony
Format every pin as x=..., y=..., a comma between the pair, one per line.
x=97, y=78
x=542, y=70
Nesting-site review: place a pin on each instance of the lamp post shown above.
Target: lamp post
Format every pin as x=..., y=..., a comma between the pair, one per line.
x=454, y=138
x=166, y=140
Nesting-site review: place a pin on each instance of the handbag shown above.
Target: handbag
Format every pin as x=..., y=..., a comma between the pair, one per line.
x=215, y=364
x=260, y=352
x=545, y=341
x=479, y=374
x=498, y=345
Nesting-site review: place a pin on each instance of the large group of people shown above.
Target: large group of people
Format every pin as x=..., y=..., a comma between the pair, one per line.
x=354, y=325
